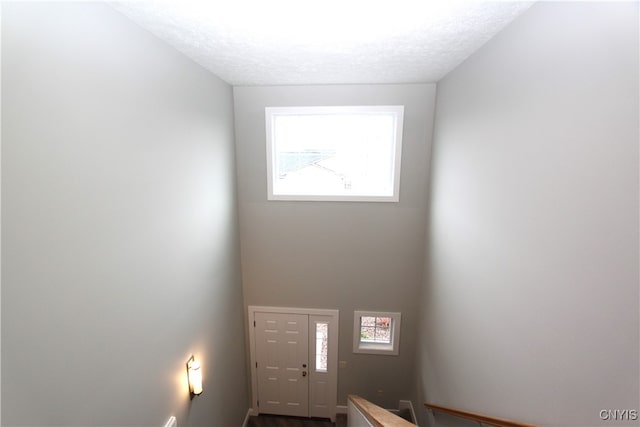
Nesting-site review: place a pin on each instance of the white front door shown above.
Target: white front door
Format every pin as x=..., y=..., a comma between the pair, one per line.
x=282, y=356
x=295, y=352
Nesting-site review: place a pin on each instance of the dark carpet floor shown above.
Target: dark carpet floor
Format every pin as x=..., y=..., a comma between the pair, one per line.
x=264, y=420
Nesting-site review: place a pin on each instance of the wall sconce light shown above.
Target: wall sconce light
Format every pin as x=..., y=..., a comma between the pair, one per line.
x=194, y=376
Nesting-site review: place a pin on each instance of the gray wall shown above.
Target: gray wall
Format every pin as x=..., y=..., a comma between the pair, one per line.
x=530, y=303
x=338, y=255
x=119, y=234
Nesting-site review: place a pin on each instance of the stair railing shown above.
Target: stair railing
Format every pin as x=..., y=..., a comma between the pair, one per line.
x=364, y=413
x=483, y=420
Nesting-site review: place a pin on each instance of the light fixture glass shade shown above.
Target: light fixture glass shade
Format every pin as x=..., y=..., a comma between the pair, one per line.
x=194, y=375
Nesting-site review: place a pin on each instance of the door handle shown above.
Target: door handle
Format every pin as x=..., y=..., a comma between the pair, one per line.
x=304, y=373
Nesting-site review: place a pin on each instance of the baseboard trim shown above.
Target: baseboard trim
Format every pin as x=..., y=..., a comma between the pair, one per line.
x=246, y=418
x=406, y=404
x=341, y=409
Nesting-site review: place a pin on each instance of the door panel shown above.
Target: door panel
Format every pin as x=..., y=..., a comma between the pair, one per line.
x=282, y=356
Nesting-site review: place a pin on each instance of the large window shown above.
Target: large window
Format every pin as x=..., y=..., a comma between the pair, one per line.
x=334, y=153
x=375, y=332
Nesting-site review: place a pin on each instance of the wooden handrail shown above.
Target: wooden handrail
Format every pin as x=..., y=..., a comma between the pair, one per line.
x=378, y=416
x=484, y=419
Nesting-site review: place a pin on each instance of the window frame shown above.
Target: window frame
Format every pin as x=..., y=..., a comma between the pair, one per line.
x=271, y=112
x=359, y=346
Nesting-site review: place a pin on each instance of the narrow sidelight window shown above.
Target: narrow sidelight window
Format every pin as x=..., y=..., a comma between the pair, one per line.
x=322, y=346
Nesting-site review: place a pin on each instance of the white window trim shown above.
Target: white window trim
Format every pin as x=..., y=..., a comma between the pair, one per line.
x=272, y=111
x=377, y=348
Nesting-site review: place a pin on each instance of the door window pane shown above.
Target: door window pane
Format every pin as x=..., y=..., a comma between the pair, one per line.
x=322, y=346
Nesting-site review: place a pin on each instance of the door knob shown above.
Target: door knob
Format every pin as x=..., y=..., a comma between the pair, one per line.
x=304, y=373
x=304, y=365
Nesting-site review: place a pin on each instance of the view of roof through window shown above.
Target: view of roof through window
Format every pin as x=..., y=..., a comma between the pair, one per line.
x=318, y=152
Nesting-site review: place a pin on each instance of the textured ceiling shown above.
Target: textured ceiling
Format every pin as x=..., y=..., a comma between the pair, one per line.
x=289, y=42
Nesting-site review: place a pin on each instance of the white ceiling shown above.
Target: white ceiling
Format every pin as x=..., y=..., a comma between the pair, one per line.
x=290, y=42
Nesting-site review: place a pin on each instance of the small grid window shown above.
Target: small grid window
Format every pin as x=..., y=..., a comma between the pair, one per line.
x=375, y=329
x=377, y=333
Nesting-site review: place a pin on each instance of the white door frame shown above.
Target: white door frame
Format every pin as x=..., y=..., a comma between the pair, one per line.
x=333, y=349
